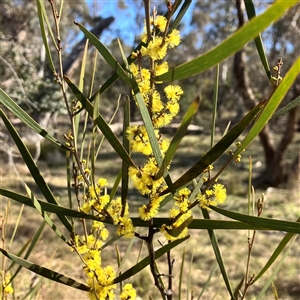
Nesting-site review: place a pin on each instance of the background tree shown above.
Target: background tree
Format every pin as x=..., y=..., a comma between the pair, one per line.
x=24, y=71
x=275, y=171
x=23, y=68
x=216, y=21
x=22, y=62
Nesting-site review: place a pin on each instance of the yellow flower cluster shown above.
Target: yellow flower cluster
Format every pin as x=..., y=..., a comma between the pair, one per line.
x=138, y=138
x=162, y=109
x=125, y=226
x=182, y=199
x=98, y=278
x=173, y=213
x=157, y=47
x=7, y=286
x=212, y=196
x=182, y=205
x=147, y=212
x=143, y=178
x=96, y=198
x=128, y=292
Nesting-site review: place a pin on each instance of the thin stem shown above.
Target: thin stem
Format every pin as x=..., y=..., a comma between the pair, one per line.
x=170, y=276
x=206, y=187
x=147, y=18
x=155, y=274
x=170, y=7
x=59, y=54
x=63, y=89
x=249, y=281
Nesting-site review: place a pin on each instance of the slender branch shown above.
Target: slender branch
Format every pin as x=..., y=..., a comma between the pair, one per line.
x=248, y=281
x=170, y=276
x=170, y=7
x=147, y=18
x=152, y=264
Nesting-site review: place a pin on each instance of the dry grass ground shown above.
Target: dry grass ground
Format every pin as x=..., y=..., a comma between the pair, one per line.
x=199, y=258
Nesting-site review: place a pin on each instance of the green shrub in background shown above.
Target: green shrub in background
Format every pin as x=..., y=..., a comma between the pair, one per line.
x=92, y=205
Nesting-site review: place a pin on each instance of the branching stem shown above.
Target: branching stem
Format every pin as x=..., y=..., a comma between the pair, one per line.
x=155, y=274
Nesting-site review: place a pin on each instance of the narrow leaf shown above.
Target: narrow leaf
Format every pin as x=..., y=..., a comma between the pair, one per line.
x=231, y=45
x=275, y=255
x=178, y=136
x=271, y=224
x=34, y=171
x=183, y=10
x=274, y=273
x=176, y=231
x=214, y=153
x=145, y=262
x=126, y=122
x=250, y=9
x=218, y=255
x=151, y=133
x=127, y=256
x=49, y=207
x=45, y=215
x=102, y=124
x=215, y=105
x=116, y=185
x=137, y=222
x=148, y=124
x=12, y=106
x=47, y=273
x=46, y=19
x=41, y=13
x=105, y=53
x=271, y=106
x=212, y=273
x=125, y=62
x=111, y=241
x=191, y=266
x=181, y=274
x=286, y=108
x=83, y=66
x=202, y=224
x=32, y=245
x=78, y=116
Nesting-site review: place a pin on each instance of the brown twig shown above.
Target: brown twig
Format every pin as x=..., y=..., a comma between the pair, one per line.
x=170, y=276
x=155, y=274
x=249, y=280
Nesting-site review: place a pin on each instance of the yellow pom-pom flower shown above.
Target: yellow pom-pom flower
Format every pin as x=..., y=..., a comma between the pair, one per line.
x=173, y=92
x=173, y=39
x=128, y=292
x=160, y=22
x=216, y=195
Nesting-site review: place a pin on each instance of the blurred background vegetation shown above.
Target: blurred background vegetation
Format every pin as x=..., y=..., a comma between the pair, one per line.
x=26, y=77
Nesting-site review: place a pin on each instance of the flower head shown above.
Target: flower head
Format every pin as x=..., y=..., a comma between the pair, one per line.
x=212, y=196
x=160, y=22
x=8, y=289
x=125, y=227
x=173, y=38
x=173, y=92
x=128, y=292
